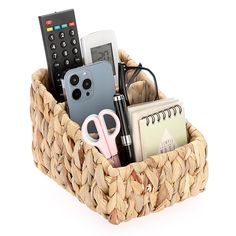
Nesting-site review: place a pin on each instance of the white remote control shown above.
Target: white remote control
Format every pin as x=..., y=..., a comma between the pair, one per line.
x=101, y=46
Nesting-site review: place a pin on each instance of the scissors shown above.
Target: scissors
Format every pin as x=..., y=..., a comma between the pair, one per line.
x=106, y=142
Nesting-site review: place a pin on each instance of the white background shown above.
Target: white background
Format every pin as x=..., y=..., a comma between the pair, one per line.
x=190, y=45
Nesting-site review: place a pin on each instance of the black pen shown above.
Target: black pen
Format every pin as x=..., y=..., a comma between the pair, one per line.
x=127, y=153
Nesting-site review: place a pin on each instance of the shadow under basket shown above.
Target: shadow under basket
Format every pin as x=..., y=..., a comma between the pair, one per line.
x=118, y=194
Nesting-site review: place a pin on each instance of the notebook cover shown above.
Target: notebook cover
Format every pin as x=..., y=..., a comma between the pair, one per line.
x=139, y=114
x=162, y=136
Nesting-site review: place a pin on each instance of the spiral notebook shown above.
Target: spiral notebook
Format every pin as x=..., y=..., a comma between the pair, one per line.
x=163, y=131
x=137, y=112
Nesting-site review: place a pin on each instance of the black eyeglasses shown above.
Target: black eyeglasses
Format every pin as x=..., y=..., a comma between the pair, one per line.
x=129, y=74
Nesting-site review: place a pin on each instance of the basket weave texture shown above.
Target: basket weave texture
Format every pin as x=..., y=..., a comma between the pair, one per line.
x=118, y=194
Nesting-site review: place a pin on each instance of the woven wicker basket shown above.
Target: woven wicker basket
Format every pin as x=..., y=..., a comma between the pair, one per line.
x=118, y=194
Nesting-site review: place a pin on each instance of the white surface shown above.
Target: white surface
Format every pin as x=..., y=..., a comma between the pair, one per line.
x=190, y=44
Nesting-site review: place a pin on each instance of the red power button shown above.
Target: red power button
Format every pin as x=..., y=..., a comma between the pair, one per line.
x=48, y=22
x=72, y=23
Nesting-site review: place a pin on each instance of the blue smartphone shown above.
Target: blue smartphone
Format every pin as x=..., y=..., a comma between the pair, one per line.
x=88, y=90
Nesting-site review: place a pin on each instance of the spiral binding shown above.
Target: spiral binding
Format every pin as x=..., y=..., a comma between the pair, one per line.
x=157, y=116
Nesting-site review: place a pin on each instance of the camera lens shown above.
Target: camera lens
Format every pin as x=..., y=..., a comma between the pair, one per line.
x=76, y=94
x=87, y=84
x=74, y=79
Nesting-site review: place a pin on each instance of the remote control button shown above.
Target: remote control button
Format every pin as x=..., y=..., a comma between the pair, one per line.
x=73, y=41
x=71, y=23
x=74, y=80
x=63, y=26
x=67, y=62
x=59, y=76
x=57, y=27
x=49, y=29
x=62, y=35
x=56, y=65
x=75, y=50
x=72, y=32
x=51, y=37
x=53, y=46
x=54, y=56
x=65, y=53
x=63, y=44
x=48, y=22
x=77, y=60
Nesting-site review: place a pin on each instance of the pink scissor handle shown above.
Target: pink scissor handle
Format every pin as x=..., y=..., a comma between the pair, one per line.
x=110, y=138
x=101, y=142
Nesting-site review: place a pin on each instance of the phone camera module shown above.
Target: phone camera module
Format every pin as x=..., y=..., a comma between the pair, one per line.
x=76, y=94
x=87, y=84
x=74, y=80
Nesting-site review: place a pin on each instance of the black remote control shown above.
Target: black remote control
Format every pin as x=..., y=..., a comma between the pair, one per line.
x=62, y=47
